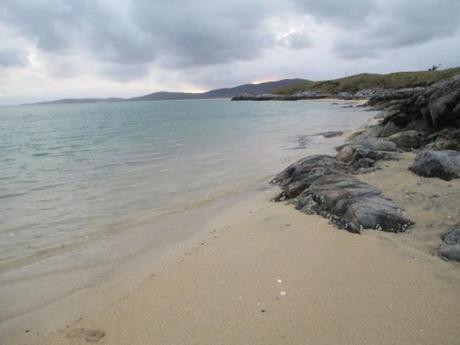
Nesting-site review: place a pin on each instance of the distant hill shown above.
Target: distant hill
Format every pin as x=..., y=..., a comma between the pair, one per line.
x=256, y=89
x=268, y=87
x=80, y=100
x=365, y=81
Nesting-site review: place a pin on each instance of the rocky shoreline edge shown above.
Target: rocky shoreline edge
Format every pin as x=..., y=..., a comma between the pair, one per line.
x=425, y=120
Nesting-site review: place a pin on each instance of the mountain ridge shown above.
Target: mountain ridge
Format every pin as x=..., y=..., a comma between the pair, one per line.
x=229, y=92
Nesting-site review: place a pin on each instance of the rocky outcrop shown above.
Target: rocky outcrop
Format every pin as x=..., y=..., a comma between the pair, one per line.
x=321, y=185
x=276, y=97
x=450, y=246
x=443, y=164
x=261, y=97
x=298, y=96
x=299, y=175
x=425, y=118
x=426, y=109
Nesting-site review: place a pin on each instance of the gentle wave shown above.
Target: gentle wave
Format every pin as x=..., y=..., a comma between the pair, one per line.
x=102, y=167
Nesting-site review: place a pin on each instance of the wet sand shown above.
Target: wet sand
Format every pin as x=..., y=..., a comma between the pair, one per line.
x=264, y=273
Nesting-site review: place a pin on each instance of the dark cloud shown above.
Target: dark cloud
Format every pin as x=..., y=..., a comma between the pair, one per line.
x=401, y=24
x=344, y=13
x=127, y=38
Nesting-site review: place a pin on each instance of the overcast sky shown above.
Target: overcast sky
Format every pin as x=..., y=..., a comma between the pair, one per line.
x=96, y=48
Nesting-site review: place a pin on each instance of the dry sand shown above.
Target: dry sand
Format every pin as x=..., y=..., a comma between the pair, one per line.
x=265, y=273
x=432, y=203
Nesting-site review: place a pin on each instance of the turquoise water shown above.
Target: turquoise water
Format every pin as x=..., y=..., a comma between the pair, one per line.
x=68, y=171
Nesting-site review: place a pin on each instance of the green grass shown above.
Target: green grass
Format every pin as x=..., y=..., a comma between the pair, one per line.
x=369, y=81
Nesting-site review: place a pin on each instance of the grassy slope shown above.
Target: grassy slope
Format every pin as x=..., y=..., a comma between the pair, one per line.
x=368, y=81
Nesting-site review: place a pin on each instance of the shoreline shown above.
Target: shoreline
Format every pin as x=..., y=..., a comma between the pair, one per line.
x=268, y=274
x=59, y=297
x=98, y=286
x=242, y=227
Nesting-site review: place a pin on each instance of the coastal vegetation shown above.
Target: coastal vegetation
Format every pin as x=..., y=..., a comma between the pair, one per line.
x=365, y=81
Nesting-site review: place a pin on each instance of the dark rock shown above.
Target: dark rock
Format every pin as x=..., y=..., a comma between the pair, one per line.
x=443, y=164
x=450, y=246
x=376, y=144
x=345, y=95
x=299, y=175
x=292, y=97
x=360, y=156
x=452, y=236
x=261, y=97
x=320, y=185
x=444, y=104
x=409, y=139
x=426, y=109
x=449, y=252
x=446, y=139
x=330, y=134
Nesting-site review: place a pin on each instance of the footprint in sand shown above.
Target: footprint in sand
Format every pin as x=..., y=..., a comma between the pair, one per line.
x=89, y=335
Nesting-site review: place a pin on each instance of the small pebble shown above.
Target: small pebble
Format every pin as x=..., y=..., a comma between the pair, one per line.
x=279, y=281
x=283, y=293
x=262, y=310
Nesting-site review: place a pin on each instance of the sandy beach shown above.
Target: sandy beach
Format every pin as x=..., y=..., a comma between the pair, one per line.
x=246, y=270
x=265, y=273
x=229, y=172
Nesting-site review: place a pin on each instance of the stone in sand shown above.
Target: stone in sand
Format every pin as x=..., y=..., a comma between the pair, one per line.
x=450, y=246
x=443, y=164
x=330, y=134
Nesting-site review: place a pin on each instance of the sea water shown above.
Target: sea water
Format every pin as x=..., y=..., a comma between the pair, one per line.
x=68, y=172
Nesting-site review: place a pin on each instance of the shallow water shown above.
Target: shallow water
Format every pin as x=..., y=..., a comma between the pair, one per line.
x=68, y=172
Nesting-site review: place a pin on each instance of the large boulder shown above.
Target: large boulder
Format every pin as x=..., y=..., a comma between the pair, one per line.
x=428, y=109
x=445, y=110
x=299, y=175
x=444, y=103
x=320, y=185
x=443, y=164
x=450, y=246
